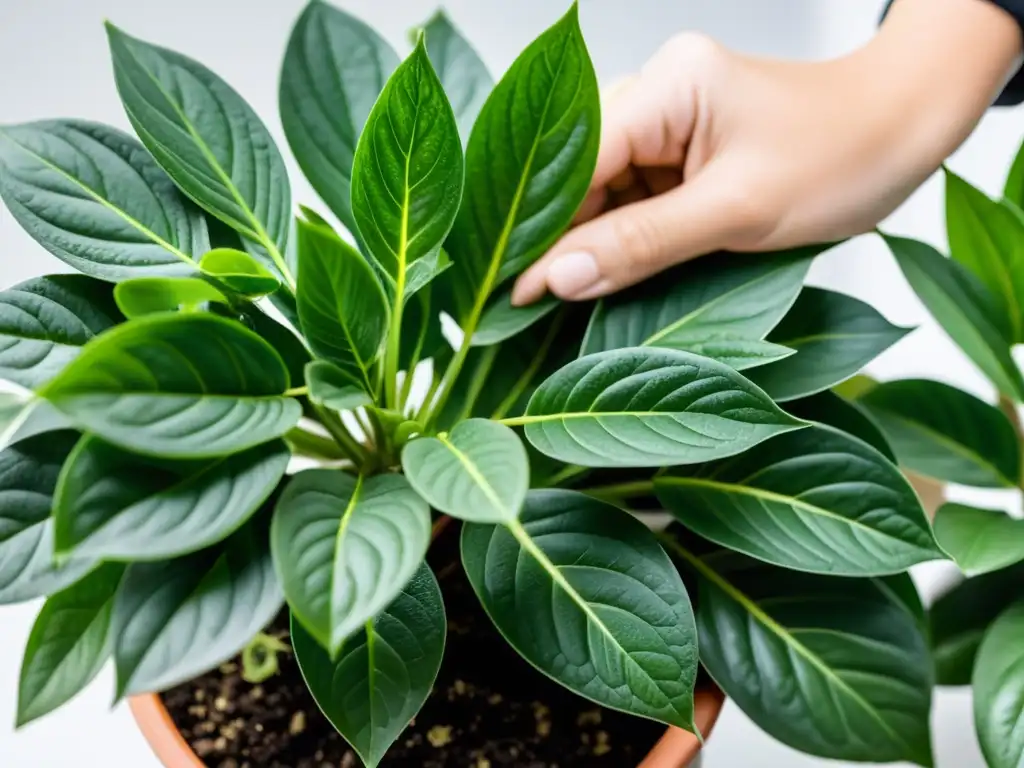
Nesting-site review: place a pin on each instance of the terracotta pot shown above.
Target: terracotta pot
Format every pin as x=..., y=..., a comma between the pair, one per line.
x=676, y=749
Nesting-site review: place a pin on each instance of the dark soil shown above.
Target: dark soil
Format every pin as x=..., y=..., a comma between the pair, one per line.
x=489, y=708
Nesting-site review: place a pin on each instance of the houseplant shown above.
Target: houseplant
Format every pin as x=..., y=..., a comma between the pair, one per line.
x=149, y=484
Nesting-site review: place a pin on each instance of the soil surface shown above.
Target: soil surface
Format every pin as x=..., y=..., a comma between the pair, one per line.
x=489, y=708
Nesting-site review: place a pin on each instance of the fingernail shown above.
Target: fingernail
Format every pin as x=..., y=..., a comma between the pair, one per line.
x=572, y=274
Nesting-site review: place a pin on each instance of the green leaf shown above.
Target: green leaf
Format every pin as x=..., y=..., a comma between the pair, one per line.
x=545, y=117
x=141, y=296
x=45, y=322
x=736, y=296
x=501, y=321
x=964, y=308
x=239, y=271
x=480, y=472
x=334, y=70
x=407, y=174
x=942, y=432
x=345, y=546
x=999, y=691
x=181, y=386
x=815, y=500
x=832, y=410
x=834, y=336
x=384, y=674
x=979, y=540
x=741, y=354
x=175, y=619
x=342, y=307
x=23, y=416
x=331, y=386
x=832, y=667
x=1014, y=189
x=114, y=505
x=463, y=74
x=987, y=238
x=69, y=644
x=208, y=139
x=282, y=339
x=583, y=591
x=94, y=198
x=645, y=407
x=28, y=477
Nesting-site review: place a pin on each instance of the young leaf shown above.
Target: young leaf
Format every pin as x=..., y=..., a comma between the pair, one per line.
x=28, y=477
x=176, y=619
x=832, y=410
x=583, y=591
x=114, y=505
x=739, y=296
x=205, y=136
x=480, y=472
x=384, y=674
x=831, y=667
x=141, y=296
x=645, y=407
x=815, y=500
x=331, y=386
x=344, y=547
x=69, y=644
x=342, y=307
x=942, y=432
x=741, y=354
x=45, y=322
x=239, y=271
x=979, y=540
x=334, y=70
x=159, y=385
x=463, y=74
x=998, y=683
x=501, y=321
x=834, y=336
x=964, y=308
x=94, y=198
x=545, y=115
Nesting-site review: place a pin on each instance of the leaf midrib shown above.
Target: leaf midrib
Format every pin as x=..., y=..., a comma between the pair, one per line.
x=478, y=477
x=337, y=559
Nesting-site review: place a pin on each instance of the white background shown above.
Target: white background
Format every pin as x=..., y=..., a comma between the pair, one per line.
x=53, y=63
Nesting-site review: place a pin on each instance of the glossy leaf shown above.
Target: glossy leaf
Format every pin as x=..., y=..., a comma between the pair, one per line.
x=384, y=673
x=1013, y=191
x=979, y=540
x=344, y=547
x=964, y=308
x=176, y=619
x=648, y=407
x=334, y=70
x=463, y=74
x=94, y=198
x=45, y=322
x=545, y=116
x=479, y=472
x=814, y=500
x=114, y=505
x=141, y=296
x=342, y=307
x=69, y=644
x=834, y=336
x=583, y=591
x=501, y=321
x=239, y=271
x=207, y=138
x=741, y=354
x=284, y=341
x=24, y=416
x=832, y=410
x=942, y=432
x=999, y=691
x=331, y=386
x=832, y=667
x=160, y=386
x=734, y=297
x=28, y=477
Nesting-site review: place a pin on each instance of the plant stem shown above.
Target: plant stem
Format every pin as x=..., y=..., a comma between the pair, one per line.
x=567, y=473
x=476, y=385
x=524, y=381
x=337, y=429
x=421, y=414
x=277, y=258
x=622, y=490
x=394, y=346
x=313, y=445
x=296, y=392
x=364, y=423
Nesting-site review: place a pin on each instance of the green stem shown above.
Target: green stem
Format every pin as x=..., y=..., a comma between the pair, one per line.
x=296, y=392
x=394, y=346
x=379, y=434
x=314, y=446
x=364, y=423
x=622, y=490
x=525, y=380
x=566, y=474
x=278, y=259
x=421, y=414
x=476, y=385
x=337, y=429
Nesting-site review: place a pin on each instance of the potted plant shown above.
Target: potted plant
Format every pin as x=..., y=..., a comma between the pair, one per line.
x=171, y=400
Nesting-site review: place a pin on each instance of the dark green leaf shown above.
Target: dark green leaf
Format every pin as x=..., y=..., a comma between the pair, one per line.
x=831, y=410
x=69, y=644
x=334, y=70
x=141, y=296
x=176, y=619
x=45, y=321
x=184, y=386
x=283, y=340
x=384, y=673
x=964, y=308
x=239, y=271
x=815, y=500
x=344, y=548
x=741, y=354
x=501, y=321
x=479, y=472
x=463, y=74
x=331, y=386
x=999, y=691
x=94, y=198
x=645, y=407
x=834, y=336
x=979, y=540
x=26, y=416
x=114, y=505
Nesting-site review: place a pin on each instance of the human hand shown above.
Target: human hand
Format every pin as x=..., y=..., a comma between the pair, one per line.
x=709, y=150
